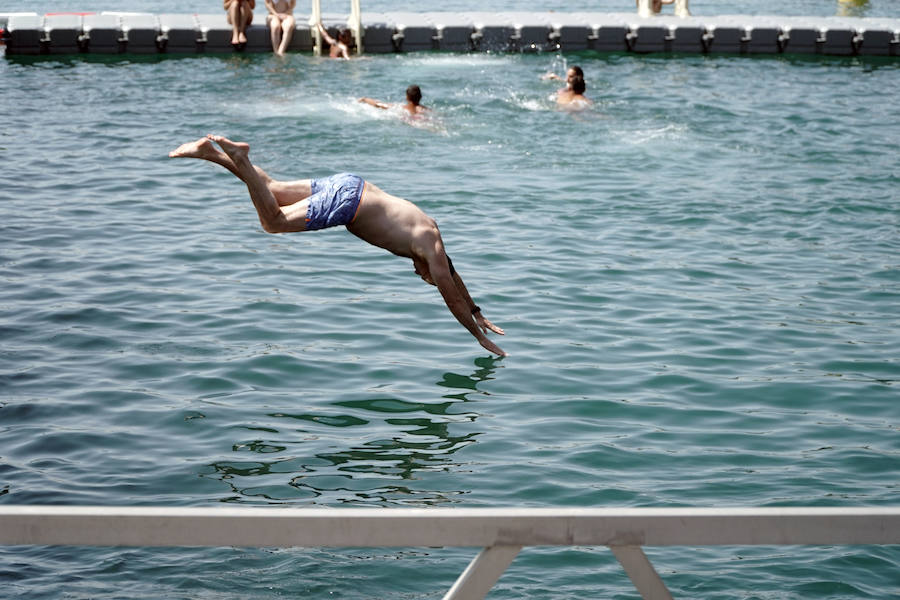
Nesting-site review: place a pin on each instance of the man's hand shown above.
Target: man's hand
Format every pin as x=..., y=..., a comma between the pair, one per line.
x=486, y=325
x=492, y=347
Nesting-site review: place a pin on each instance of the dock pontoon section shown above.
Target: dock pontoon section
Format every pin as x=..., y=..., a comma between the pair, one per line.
x=387, y=32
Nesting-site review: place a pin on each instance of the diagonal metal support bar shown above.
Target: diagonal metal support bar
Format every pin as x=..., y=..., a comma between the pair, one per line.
x=482, y=573
x=641, y=572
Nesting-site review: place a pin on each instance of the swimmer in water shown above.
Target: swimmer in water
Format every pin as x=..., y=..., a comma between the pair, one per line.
x=572, y=96
x=240, y=15
x=337, y=48
x=383, y=220
x=281, y=23
x=413, y=103
x=567, y=95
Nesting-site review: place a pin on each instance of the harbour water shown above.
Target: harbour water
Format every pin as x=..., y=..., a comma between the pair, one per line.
x=698, y=278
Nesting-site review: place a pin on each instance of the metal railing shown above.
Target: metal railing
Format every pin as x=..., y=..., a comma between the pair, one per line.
x=354, y=24
x=501, y=532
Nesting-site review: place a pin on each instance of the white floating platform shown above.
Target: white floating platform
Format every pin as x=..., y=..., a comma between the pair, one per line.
x=144, y=33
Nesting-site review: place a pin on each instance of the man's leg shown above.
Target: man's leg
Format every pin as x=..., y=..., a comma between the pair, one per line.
x=288, y=192
x=272, y=217
x=234, y=19
x=285, y=192
x=274, y=32
x=287, y=27
x=246, y=19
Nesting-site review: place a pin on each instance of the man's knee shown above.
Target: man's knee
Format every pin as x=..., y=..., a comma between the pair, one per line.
x=275, y=224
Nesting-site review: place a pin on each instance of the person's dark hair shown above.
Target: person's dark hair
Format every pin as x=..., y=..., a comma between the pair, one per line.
x=577, y=70
x=578, y=85
x=414, y=94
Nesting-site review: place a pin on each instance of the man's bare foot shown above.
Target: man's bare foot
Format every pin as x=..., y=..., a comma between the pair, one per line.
x=237, y=151
x=201, y=148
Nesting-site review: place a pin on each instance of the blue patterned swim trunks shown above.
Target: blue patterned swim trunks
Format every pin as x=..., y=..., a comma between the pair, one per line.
x=334, y=201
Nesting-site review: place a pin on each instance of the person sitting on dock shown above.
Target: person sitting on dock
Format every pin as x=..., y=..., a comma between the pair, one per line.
x=852, y=8
x=281, y=23
x=413, y=102
x=655, y=5
x=337, y=48
x=572, y=96
x=383, y=220
x=240, y=15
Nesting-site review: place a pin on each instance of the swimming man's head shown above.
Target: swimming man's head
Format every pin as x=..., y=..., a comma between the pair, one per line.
x=578, y=85
x=414, y=94
x=573, y=72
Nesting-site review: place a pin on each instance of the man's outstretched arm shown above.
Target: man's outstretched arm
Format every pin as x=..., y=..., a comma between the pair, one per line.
x=324, y=33
x=375, y=103
x=458, y=305
x=480, y=319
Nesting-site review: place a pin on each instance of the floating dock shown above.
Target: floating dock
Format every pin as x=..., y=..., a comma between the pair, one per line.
x=391, y=32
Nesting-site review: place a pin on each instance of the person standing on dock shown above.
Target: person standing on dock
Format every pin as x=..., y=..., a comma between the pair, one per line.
x=240, y=15
x=337, y=48
x=281, y=23
x=413, y=102
x=383, y=220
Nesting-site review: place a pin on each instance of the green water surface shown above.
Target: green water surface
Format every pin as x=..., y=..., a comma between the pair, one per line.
x=698, y=279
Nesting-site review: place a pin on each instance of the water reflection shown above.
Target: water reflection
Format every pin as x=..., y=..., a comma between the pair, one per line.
x=486, y=368
x=384, y=450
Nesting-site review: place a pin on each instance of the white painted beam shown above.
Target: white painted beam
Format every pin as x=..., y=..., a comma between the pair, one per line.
x=470, y=527
x=502, y=532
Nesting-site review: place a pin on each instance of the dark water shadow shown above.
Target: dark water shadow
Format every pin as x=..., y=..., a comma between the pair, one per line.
x=382, y=450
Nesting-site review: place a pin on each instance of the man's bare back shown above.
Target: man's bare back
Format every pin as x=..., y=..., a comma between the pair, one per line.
x=395, y=224
x=383, y=220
